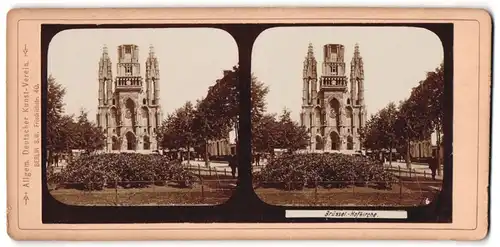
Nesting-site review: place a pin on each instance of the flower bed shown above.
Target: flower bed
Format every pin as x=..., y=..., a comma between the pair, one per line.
x=296, y=171
x=128, y=170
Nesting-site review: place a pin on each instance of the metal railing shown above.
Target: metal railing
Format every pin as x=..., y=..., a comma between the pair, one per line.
x=135, y=193
x=399, y=192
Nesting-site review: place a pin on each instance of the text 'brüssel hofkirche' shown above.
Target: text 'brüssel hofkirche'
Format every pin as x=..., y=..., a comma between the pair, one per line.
x=129, y=106
x=333, y=111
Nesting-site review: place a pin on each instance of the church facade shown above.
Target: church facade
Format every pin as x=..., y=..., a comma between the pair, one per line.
x=333, y=106
x=129, y=105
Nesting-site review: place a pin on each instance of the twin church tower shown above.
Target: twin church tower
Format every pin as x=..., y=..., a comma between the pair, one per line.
x=129, y=105
x=333, y=106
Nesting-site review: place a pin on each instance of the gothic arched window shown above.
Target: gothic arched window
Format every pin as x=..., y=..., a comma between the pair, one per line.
x=350, y=117
x=335, y=110
x=317, y=116
x=145, y=116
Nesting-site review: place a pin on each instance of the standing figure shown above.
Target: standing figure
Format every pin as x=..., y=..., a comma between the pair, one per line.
x=433, y=165
x=233, y=164
x=257, y=159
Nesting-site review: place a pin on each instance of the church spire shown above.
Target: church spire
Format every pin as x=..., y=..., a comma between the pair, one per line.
x=152, y=77
x=309, y=77
x=105, y=50
x=310, y=52
x=151, y=51
x=105, y=76
x=357, y=77
x=356, y=51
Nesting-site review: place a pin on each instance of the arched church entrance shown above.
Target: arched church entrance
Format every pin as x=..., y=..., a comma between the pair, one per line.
x=130, y=141
x=350, y=143
x=319, y=142
x=147, y=143
x=335, y=140
x=116, y=144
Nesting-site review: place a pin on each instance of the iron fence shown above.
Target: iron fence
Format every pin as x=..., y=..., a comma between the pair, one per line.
x=134, y=193
x=399, y=192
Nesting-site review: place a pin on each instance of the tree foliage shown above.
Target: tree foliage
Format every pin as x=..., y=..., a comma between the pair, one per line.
x=216, y=114
x=270, y=132
x=177, y=129
x=263, y=133
x=414, y=119
x=290, y=134
x=380, y=130
x=55, y=120
x=64, y=132
x=86, y=135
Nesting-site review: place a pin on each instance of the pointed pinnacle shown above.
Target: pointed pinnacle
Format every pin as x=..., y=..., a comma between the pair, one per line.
x=356, y=48
x=151, y=50
x=310, y=52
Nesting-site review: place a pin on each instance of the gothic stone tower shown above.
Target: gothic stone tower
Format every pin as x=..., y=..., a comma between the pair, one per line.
x=129, y=109
x=331, y=112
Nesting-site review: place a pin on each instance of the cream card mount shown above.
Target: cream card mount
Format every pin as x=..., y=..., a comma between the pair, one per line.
x=248, y=123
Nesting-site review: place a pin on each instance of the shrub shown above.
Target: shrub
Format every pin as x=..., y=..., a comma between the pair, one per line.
x=296, y=171
x=130, y=170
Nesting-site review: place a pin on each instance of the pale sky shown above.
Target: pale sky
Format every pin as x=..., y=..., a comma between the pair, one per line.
x=395, y=60
x=190, y=60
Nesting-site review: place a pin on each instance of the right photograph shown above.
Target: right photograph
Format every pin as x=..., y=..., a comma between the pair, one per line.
x=348, y=116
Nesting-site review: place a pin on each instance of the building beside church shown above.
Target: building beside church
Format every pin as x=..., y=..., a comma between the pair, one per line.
x=333, y=106
x=220, y=147
x=422, y=150
x=129, y=105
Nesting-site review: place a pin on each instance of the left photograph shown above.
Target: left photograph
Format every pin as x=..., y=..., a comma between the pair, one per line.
x=138, y=117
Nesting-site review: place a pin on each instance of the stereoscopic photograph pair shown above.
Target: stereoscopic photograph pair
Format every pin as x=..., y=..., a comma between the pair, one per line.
x=319, y=122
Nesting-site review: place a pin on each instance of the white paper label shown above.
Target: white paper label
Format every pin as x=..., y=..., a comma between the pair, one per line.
x=356, y=214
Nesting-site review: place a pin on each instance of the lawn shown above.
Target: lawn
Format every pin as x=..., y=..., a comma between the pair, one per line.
x=214, y=195
x=408, y=194
x=211, y=193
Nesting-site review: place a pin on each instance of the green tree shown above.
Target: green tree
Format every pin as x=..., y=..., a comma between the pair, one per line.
x=178, y=130
x=423, y=112
x=264, y=133
x=380, y=130
x=87, y=135
x=434, y=87
x=387, y=126
x=370, y=133
x=291, y=135
x=258, y=95
x=64, y=139
x=209, y=125
x=411, y=123
x=218, y=113
x=268, y=133
x=56, y=136
x=165, y=134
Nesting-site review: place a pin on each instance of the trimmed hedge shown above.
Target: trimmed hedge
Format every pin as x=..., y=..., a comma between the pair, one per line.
x=296, y=171
x=131, y=170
